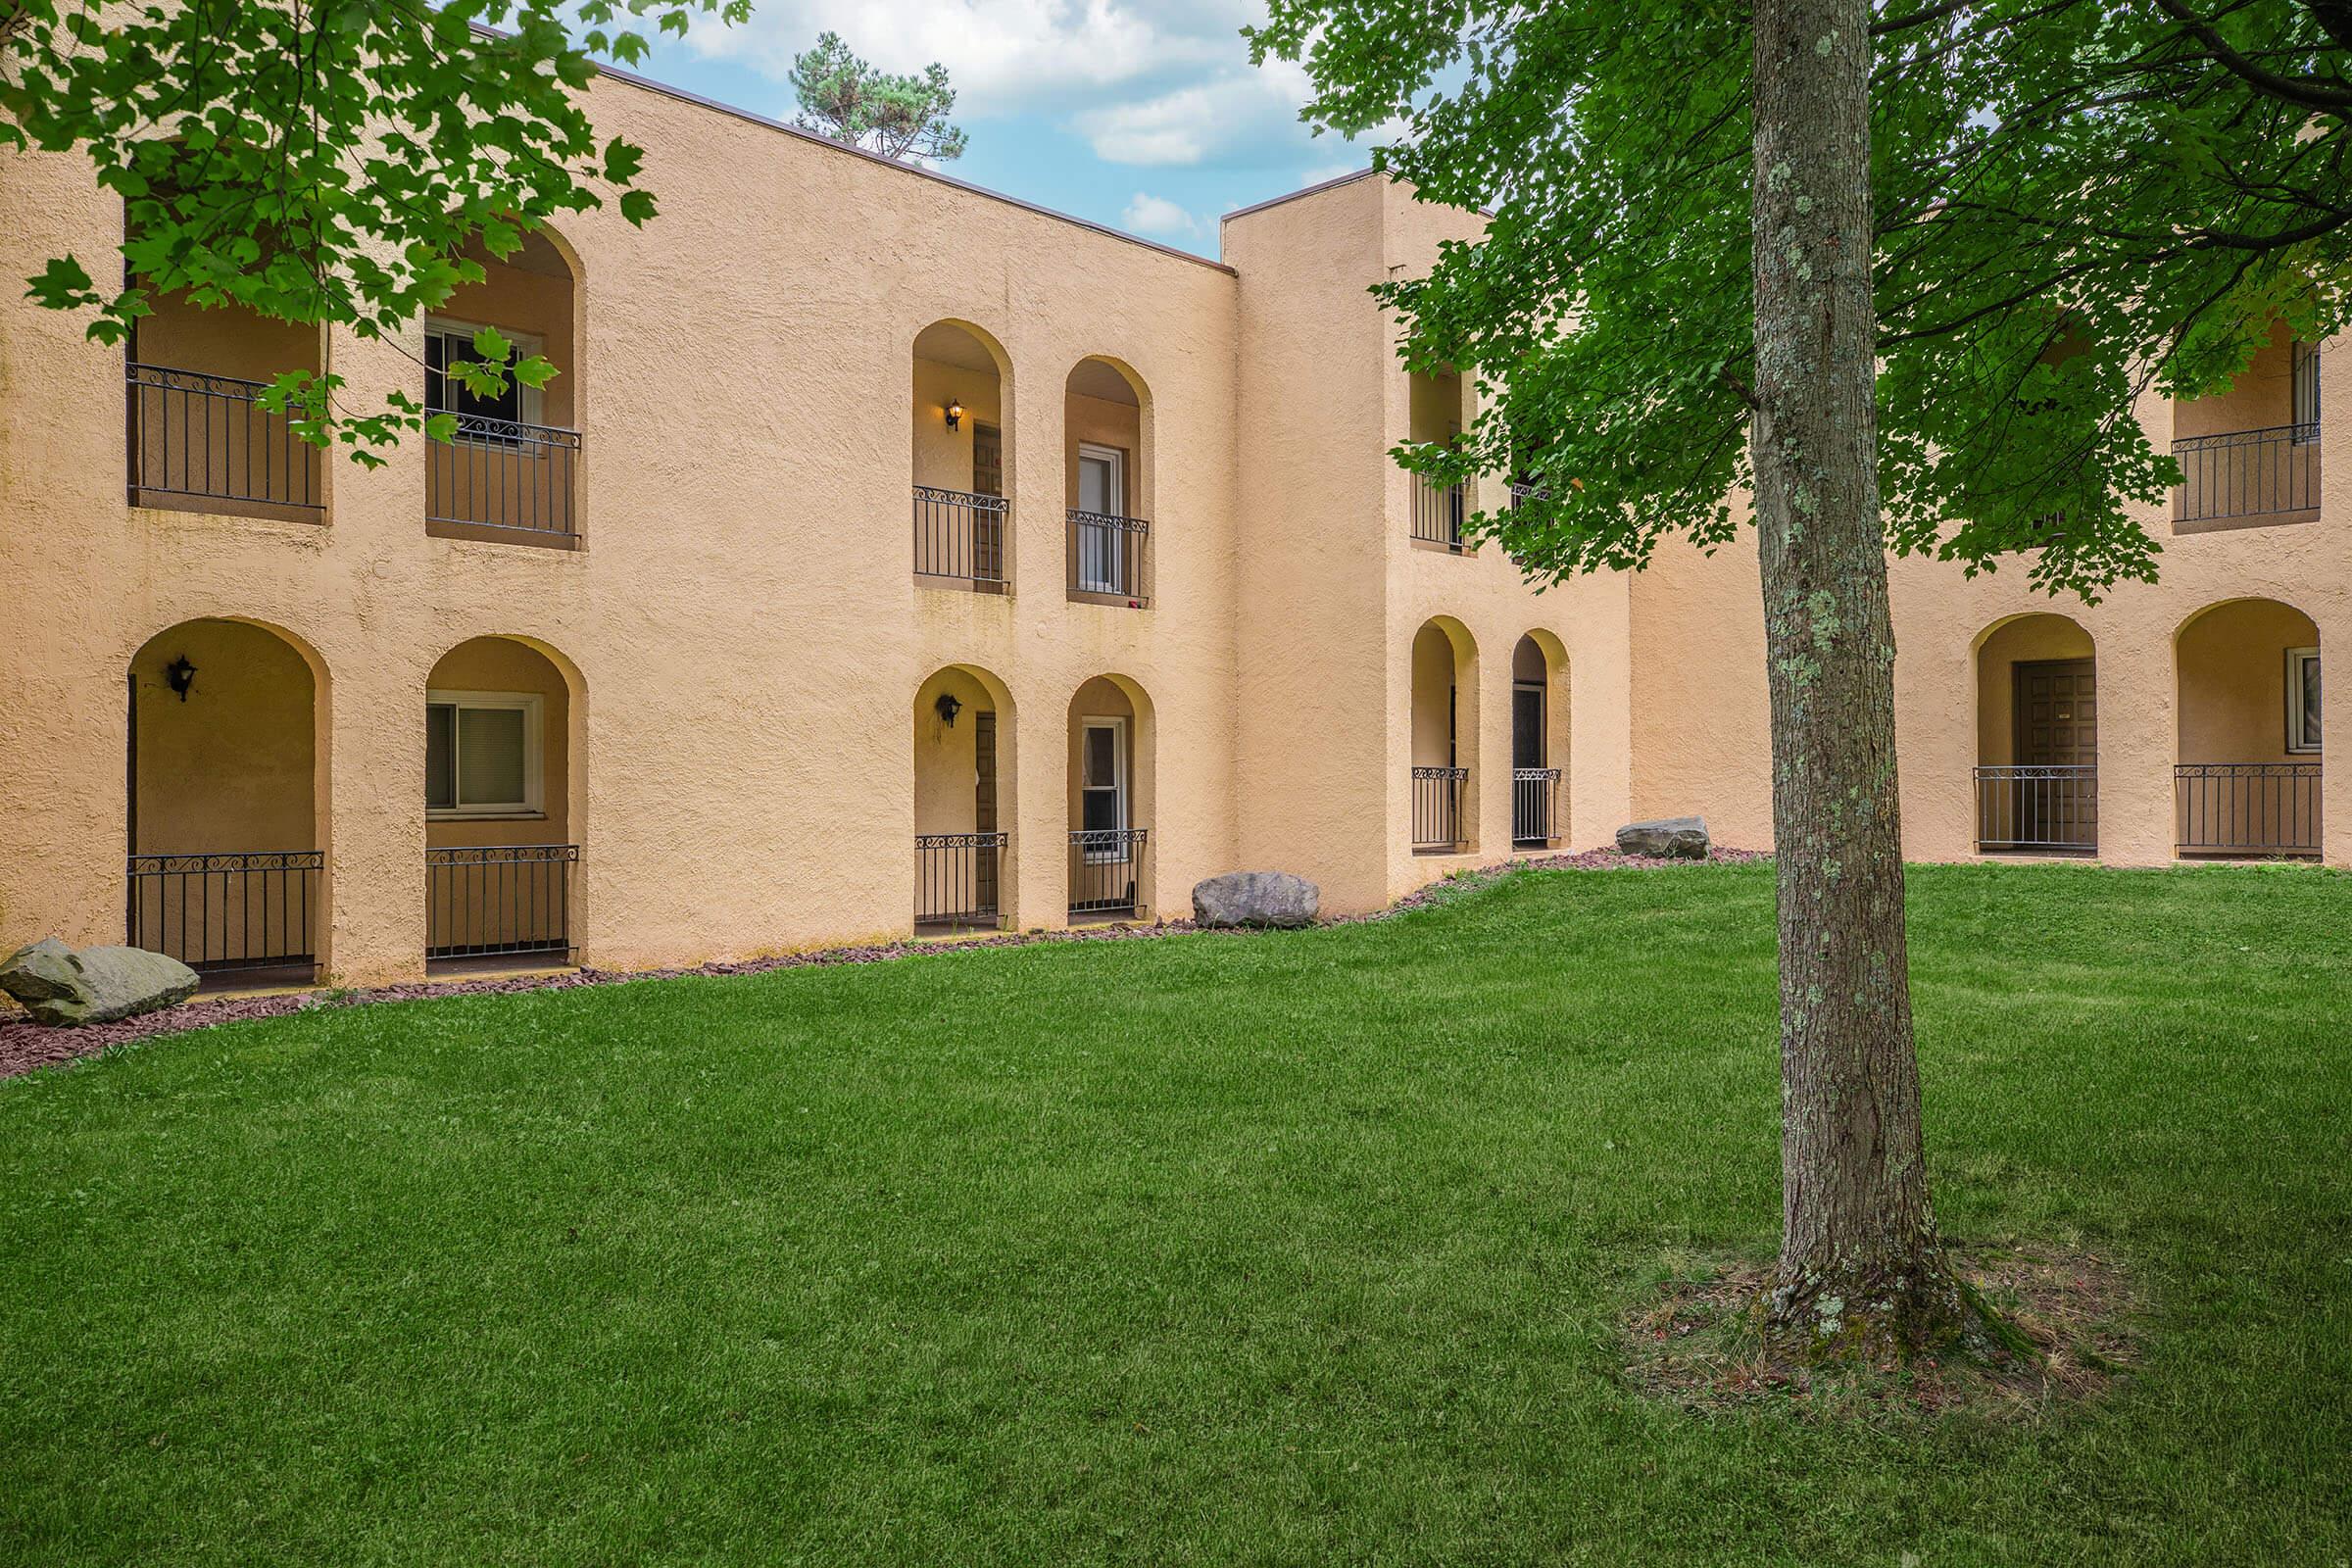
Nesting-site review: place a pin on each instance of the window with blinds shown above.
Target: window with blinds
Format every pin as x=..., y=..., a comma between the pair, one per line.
x=481, y=754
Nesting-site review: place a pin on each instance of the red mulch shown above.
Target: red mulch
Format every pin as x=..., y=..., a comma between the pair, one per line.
x=26, y=1044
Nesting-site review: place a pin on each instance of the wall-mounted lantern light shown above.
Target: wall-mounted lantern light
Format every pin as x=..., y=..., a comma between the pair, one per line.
x=179, y=675
x=948, y=707
x=955, y=413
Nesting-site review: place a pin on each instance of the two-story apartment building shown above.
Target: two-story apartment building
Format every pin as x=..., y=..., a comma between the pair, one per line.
x=889, y=555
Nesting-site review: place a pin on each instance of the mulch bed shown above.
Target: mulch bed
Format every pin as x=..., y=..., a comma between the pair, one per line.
x=26, y=1044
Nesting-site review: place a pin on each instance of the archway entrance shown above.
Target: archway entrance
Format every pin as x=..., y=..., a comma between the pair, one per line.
x=2246, y=782
x=227, y=799
x=1444, y=738
x=963, y=459
x=963, y=794
x=1110, y=800
x=2037, y=738
x=1539, y=740
x=501, y=834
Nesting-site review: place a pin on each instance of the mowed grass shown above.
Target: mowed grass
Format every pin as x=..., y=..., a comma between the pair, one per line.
x=1289, y=1248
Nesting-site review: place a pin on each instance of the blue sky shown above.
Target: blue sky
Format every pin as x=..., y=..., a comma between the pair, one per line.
x=1145, y=115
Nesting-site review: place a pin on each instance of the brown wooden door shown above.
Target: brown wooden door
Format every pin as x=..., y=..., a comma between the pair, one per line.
x=2058, y=726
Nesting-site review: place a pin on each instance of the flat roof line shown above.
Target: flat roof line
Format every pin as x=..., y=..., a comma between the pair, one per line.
x=698, y=100
x=1310, y=190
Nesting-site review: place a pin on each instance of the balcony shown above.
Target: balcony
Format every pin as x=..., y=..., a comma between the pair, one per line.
x=1437, y=516
x=1437, y=810
x=959, y=537
x=2049, y=808
x=204, y=443
x=1106, y=873
x=1107, y=559
x=510, y=480
x=958, y=880
x=2238, y=477
x=2247, y=810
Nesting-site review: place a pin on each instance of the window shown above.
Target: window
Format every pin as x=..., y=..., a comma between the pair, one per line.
x=1101, y=490
x=1102, y=783
x=448, y=343
x=481, y=755
x=2302, y=699
x=2307, y=392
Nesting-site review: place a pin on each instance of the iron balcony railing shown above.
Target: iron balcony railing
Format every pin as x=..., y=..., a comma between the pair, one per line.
x=2247, y=474
x=1534, y=803
x=499, y=898
x=1106, y=556
x=957, y=877
x=191, y=434
x=249, y=911
x=1106, y=871
x=2042, y=809
x=1437, y=808
x=502, y=473
x=1437, y=514
x=1524, y=492
x=2249, y=809
x=960, y=535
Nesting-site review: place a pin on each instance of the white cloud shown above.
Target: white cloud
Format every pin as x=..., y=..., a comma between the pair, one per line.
x=1157, y=215
x=1235, y=115
x=1005, y=55
x=1317, y=173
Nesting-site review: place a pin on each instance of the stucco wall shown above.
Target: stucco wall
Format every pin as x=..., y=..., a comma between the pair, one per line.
x=230, y=766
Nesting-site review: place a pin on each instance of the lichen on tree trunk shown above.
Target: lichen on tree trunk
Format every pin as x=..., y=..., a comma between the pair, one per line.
x=1861, y=1270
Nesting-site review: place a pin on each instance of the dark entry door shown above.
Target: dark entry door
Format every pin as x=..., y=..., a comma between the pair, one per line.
x=2058, y=729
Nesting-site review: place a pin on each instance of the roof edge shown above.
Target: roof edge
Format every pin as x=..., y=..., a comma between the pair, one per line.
x=1308, y=190
x=665, y=90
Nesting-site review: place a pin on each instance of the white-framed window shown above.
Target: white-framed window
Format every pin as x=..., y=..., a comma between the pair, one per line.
x=448, y=342
x=482, y=755
x=2302, y=699
x=1101, y=490
x=1102, y=783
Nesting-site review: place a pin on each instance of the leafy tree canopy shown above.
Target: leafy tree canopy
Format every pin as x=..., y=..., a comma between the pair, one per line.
x=314, y=160
x=898, y=116
x=2074, y=201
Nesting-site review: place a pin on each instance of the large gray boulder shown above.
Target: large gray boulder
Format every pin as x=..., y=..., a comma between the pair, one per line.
x=96, y=985
x=1257, y=897
x=1682, y=838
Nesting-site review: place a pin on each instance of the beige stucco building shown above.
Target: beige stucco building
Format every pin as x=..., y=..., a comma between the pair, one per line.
x=888, y=555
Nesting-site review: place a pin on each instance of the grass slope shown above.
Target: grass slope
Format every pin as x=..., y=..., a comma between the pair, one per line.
x=1297, y=1248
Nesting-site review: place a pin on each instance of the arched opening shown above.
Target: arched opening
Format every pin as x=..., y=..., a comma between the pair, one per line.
x=962, y=458
x=1539, y=741
x=963, y=792
x=1111, y=787
x=227, y=807
x=2037, y=738
x=1444, y=739
x=2249, y=455
x=2247, y=772
x=1107, y=463
x=1437, y=411
x=509, y=472
x=502, y=804
x=198, y=439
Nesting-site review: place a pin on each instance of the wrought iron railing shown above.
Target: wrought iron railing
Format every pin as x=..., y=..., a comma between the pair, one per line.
x=2247, y=474
x=1524, y=492
x=2249, y=809
x=960, y=535
x=499, y=898
x=1106, y=871
x=1534, y=804
x=249, y=911
x=502, y=473
x=2042, y=809
x=1106, y=556
x=957, y=879
x=1437, y=808
x=208, y=436
x=1438, y=513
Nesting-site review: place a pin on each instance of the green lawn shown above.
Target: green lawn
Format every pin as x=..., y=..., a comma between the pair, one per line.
x=1299, y=1248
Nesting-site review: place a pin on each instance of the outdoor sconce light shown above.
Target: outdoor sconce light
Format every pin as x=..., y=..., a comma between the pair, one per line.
x=948, y=707
x=955, y=413
x=179, y=675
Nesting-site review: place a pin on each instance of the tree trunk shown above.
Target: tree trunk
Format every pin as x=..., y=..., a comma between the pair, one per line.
x=1860, y=1268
